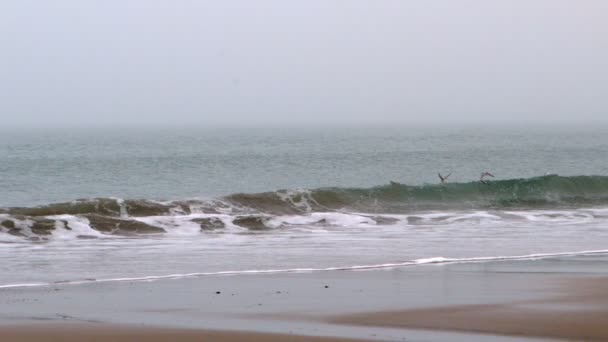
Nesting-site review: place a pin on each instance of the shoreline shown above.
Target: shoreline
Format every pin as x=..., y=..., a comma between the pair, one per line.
x=117, y=333
x=581, y=313
x=506, y=301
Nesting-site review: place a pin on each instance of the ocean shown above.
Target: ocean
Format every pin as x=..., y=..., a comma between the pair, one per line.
x=133, y=203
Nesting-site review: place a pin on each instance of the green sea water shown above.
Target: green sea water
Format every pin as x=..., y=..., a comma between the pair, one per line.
x=42, y=166
x=81, y=205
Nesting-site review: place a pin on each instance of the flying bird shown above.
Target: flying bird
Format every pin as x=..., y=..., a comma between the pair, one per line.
x=444, y=178
x=484, y=175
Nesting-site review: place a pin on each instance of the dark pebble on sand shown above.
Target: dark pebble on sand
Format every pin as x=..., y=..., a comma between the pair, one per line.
x=217, y=292
x=326, y=286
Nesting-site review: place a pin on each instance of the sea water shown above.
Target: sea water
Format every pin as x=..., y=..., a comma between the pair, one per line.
x=111, y=204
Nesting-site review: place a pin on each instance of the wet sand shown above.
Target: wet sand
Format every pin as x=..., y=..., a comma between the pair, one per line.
x=528, y=300
x=93, y=333
x=581, y=313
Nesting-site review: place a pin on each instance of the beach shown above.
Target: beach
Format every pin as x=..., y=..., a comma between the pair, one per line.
x=579, y=314
x=75, y=333
x=553, y=298
x=303, y=234
x=329, y=171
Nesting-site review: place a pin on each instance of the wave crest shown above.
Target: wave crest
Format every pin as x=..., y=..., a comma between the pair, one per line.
x=257, y=211
x=545, y=191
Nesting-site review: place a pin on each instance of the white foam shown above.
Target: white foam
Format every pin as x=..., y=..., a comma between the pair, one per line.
x=19, y=224
x=24, y=285
x=555, y=216
x=299, y=198
x=328, y=218
x=23, y=226
x=319, y=222
x=423, y=261
x=173, y=225
x=76, y=226
x=435, y=260
x=455, y=217
x=183, y=225
x=122, y=207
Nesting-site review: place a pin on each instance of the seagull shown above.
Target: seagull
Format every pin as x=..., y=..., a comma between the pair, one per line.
x=483, y=175
x=444, y=178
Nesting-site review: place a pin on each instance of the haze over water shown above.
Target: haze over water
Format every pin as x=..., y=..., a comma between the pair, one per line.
x=39, y=166
x=153, y=139
x=182, y=202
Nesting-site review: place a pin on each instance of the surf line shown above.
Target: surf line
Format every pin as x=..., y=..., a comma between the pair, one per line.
x=415, y=262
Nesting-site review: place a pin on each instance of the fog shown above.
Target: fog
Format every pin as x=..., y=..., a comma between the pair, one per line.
x=300, y=62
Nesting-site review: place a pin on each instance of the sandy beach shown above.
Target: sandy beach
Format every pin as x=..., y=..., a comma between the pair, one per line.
x=579, y=314
x=324, y=171
x=77, y=333
x=560, y=298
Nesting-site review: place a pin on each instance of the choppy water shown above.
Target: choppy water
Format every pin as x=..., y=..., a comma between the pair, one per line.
x=172, y=202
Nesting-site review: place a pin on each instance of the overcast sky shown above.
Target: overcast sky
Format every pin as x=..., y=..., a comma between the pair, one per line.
x=313, y=61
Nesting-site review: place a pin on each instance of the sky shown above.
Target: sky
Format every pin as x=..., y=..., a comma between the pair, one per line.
x=303, y=62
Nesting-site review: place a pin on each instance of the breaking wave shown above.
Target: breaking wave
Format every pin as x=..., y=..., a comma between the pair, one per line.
x=89, y=218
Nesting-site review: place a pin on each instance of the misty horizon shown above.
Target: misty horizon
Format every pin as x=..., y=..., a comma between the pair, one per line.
x=320, y=62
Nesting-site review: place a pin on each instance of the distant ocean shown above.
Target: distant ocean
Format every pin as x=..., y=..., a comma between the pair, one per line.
x=87, y=205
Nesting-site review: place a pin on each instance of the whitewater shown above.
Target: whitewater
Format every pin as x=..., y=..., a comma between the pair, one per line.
x=158, y=205
x=329, y=229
